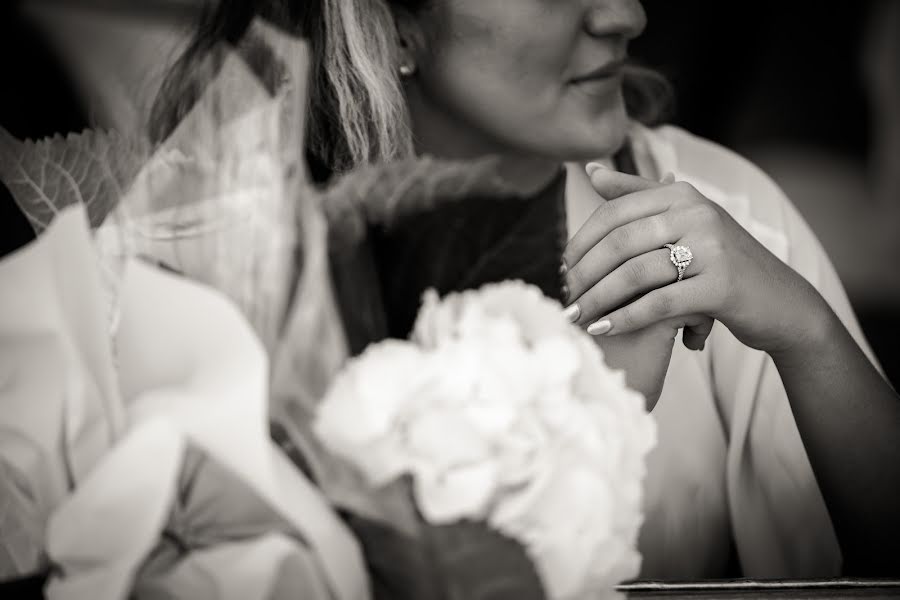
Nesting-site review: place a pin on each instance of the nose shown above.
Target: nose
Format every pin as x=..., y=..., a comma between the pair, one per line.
x=624, y=18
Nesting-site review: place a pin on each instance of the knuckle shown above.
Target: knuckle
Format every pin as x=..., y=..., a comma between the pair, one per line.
x=627, y=318
x=619, y=240
x=685, y=190
x=602, y=215
x=656, y=227
x=571, y=255
x=607, y=210
x=662, y=305
x=706, y=213
x=575, y=280
x=580, y=280
x=715, y=247
x=635, y=273
x=590, y=306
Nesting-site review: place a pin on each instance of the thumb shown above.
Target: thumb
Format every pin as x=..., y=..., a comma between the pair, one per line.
x=696, y=330
x=613, y=184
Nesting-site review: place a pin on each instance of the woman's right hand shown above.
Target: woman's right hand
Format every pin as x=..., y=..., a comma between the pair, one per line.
x=644, y=355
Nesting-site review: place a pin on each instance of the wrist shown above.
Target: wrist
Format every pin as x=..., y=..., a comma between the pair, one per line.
x=816, y=327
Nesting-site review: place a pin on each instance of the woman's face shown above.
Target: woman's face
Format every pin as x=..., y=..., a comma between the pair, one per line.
x=533, y=77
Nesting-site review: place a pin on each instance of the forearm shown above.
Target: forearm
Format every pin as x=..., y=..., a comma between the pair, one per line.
x=849, y=420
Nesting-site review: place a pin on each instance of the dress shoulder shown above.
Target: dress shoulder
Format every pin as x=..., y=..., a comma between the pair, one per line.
x=702, y=158
x=725, y=177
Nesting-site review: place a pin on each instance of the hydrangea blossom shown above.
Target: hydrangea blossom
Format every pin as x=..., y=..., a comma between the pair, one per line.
x=505, y=413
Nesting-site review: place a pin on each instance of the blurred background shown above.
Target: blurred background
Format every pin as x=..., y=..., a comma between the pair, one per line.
x=808, y=91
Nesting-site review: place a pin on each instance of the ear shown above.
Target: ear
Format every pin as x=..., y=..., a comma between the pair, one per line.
x=411, y=36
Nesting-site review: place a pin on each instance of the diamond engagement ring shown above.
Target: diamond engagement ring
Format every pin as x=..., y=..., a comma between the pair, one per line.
x=681, y=257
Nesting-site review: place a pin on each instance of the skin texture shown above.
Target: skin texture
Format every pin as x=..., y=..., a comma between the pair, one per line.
x=527, y=102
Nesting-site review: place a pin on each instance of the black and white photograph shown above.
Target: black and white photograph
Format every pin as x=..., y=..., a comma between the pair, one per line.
x=449, y=300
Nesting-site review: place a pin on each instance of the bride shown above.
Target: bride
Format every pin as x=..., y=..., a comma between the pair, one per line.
x=778, y=444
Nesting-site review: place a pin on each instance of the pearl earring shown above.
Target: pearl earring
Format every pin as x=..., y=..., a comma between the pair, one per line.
x=407, y=70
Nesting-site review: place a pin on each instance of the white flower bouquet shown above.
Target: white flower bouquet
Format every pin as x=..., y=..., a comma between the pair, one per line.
x=503, y=414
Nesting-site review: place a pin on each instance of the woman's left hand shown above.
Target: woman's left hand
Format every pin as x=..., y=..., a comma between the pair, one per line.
x=620, y=276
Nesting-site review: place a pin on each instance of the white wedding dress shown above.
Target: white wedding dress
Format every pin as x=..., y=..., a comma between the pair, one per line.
x=730, y=478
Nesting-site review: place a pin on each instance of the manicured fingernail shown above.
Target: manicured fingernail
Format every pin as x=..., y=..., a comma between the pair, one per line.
x=590, y=168
x=572, y=313
x=600, y=327
x=668, y=178
x=563, y=268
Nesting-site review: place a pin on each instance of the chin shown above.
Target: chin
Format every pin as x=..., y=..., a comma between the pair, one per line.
x=599, y=136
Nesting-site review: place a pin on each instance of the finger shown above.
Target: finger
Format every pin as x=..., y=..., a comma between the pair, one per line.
x=611, y=215
x=615, y=184
x=683, y=298
x=634, y=278
x=621, y=245
x=697, y=329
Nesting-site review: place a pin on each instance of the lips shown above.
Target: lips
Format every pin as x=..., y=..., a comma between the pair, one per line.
x=606, y=71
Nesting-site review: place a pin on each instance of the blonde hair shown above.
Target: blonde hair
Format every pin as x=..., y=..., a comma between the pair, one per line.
x=358, y=111
x=361, y=61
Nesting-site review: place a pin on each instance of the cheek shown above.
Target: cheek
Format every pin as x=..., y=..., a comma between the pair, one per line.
x=492, y=90
x=505, y=76
x=496, y=78
x=501, y=58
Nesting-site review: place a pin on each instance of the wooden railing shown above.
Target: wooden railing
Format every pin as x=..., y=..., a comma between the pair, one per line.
x=875, y=589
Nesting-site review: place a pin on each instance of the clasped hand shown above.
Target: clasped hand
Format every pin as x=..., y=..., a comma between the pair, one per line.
x=620, y=278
